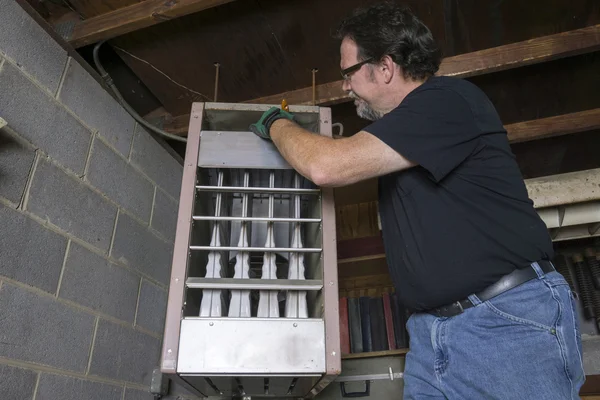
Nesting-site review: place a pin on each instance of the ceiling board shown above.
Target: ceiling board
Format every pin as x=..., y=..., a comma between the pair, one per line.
x=305, y=28
x=263, y=46
x=543, y=90
x=235, y=35
x=479, y=24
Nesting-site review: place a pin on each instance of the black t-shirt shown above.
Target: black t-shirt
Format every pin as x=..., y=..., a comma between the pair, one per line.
x=462, y=218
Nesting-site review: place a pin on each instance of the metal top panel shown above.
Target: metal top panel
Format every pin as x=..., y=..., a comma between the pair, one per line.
x=222, y=149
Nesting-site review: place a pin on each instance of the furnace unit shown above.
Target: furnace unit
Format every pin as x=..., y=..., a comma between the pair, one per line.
x=253, y=298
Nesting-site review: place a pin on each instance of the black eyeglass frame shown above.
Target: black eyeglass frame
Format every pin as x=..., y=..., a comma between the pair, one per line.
x=347, y=71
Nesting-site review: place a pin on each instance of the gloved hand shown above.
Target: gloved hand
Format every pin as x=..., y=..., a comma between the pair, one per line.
x=262, y=127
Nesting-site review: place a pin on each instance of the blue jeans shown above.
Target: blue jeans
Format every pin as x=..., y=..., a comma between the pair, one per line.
x=522, y=344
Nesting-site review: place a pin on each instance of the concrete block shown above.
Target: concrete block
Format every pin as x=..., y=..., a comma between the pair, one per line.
x=67, y=203
x=40, y=119
x=25, y=42
x=156, y=162
x=136, y=246
x=152, y=307
x=17, y=383
x=38, y=329
x=52, y=387
x=164, y=216
x=94, y=282
x=118, y=180
x=124, y=354
x=30, y=253
x=16, y=158
x=134, y=394
x=96, y=107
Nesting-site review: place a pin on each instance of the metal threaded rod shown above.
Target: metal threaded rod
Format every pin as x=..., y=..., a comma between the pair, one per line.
x=594, y=264
x=562, y=267
x=586, y=288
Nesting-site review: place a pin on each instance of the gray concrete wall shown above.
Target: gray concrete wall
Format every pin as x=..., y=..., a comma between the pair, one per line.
x=88, y=204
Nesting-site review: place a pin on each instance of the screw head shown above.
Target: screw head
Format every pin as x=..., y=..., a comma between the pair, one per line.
x=295, y=325
x=211, y=323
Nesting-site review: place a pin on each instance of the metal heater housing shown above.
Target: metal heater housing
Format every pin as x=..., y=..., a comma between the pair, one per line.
x=230, y=178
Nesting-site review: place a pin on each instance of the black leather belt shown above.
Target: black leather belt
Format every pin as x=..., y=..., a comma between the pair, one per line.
x=507, y=282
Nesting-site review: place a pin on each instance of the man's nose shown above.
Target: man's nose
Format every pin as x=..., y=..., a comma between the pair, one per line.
x=346, y=85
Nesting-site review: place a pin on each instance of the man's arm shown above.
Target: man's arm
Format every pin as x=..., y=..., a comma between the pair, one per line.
x=335, y=162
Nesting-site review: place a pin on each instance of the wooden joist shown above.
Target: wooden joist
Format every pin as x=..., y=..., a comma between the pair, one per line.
x=134, y=17
x=514, y=55
x=554, y=126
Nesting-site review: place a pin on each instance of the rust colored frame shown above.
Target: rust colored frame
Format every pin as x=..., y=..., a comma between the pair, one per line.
x=333, y=360
x=182, y=242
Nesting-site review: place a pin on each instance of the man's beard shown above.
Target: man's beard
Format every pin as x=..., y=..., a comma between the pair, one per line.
x=364, y=110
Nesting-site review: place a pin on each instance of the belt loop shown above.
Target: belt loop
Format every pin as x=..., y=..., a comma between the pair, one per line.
x=475, y=300
x=538, y=270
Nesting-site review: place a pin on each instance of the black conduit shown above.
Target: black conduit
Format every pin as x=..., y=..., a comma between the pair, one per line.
x=106, y=77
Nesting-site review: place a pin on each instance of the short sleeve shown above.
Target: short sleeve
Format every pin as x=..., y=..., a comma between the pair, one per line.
x=434, y=128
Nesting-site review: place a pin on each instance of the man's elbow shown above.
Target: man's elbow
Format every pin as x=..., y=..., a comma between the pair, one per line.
x=326, y=177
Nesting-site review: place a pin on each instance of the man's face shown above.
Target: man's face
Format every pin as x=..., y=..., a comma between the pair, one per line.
x=361, y=84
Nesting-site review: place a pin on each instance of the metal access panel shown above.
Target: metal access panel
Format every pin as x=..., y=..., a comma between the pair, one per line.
x=253, y=300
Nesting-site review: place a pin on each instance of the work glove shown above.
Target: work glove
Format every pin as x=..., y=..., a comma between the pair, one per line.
x=262, y=127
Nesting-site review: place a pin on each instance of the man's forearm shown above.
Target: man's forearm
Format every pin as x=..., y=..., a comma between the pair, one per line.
x=303, y=150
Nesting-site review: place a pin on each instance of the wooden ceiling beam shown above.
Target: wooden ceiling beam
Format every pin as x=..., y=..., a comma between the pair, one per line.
x=514, y=55
x=566, y=124
x=134, y=17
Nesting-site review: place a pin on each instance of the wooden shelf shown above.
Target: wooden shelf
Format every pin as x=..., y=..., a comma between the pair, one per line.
x=371, y=354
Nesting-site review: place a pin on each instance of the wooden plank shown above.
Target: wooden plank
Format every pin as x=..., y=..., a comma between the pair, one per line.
x=360, y=247
x=480, y=62
x=554, y=126
x=356, y=220
x=386, y=353
x=134, y=17
x=360, y=259
x=591, y=385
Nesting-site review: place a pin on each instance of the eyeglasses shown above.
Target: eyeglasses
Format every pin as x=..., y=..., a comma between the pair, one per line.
x=347, y=71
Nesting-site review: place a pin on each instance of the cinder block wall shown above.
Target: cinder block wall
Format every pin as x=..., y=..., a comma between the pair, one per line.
x=88, y=204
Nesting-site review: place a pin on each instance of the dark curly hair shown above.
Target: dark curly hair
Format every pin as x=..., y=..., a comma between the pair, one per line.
x=391, y=29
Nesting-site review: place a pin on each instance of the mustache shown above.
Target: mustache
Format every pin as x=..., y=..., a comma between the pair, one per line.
x=354, y=95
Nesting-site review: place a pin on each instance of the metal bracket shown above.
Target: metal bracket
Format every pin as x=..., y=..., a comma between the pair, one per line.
x=391, y=375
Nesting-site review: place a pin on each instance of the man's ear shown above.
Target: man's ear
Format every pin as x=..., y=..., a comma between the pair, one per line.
x=388, y=68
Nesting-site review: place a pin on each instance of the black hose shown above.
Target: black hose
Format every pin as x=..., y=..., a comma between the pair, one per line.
x=106, y=77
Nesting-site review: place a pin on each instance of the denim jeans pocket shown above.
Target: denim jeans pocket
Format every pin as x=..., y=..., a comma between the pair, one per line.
x=535, y=304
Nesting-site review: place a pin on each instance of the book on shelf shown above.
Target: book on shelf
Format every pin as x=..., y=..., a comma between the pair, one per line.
x=372, y=324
